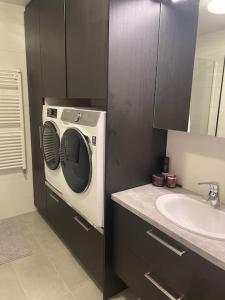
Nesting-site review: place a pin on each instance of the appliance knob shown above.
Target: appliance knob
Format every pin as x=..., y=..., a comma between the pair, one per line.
x=77, y=119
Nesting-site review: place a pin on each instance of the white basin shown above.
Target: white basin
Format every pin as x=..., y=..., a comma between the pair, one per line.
x=192, y=214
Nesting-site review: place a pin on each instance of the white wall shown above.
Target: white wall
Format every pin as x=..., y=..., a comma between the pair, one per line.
x=196, y=158
x=16, y=190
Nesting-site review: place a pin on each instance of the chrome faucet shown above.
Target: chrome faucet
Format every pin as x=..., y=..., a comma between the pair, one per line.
x=213, y=193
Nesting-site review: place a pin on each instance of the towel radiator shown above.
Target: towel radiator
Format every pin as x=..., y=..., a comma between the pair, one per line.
x=12, y=132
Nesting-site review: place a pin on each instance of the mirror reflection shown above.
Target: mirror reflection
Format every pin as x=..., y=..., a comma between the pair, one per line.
x=207, y=110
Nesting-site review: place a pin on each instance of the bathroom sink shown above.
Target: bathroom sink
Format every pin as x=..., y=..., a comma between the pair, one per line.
x=195, y=215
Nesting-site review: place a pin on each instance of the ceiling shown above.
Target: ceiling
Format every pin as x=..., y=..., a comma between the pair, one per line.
x=18, y=2
x=209, y=22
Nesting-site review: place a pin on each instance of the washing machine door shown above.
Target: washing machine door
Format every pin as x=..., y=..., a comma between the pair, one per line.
x=51, y=145
x=75, y=155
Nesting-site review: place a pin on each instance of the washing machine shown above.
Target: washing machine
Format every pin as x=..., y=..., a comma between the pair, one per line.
x=79, y=178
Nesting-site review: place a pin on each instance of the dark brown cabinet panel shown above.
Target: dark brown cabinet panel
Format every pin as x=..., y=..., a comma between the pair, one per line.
x=133, y=148
x=85, y=242
x=149, y=267
x=177, y=39
x=54, y=213
x=35, y=100
x=87, y=48
x=130, y=140
x=53, y=57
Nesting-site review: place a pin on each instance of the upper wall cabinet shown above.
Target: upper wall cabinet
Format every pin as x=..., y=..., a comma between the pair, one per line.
x=53, y=57
x=74, y=48
x=87, y=48
x=177, y=39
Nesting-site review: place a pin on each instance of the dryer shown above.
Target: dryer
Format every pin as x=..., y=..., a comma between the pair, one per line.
x=80, y=177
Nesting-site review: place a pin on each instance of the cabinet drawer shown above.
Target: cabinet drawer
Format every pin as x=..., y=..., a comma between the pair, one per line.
x=167, y=258
x=53, y=204
x=84, y=240
x=140, y=277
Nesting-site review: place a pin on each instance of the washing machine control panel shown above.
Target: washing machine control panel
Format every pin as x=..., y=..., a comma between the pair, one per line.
x=52, y=113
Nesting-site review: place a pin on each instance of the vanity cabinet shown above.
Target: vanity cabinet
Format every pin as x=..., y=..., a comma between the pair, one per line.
x=85, y=242
x=176, y=52
x=35, y=101
x=53, y=56
x=156, y=266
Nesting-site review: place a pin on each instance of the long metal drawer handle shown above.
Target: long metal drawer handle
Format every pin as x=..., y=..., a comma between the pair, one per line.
x=159, y=287
x=40, y=137
x=173, y=249
x=54, y=198
x=82, y=224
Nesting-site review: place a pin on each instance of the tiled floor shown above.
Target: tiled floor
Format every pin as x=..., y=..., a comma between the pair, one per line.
x=50, y=273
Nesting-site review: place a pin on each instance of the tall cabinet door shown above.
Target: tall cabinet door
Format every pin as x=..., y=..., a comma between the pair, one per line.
x=133, y=148
x=52, y=34
x=177, y=39
x=35, y=100
x=87, y=48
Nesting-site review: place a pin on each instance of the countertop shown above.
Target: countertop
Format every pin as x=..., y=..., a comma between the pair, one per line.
x=141, y=202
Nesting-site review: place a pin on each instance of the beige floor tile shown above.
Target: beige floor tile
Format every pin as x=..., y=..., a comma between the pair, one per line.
x=66, y=297
x=46, y=238
x=125, y=295
x=39, y=279
x=87, y=291
x=32, y=242
x=31, y=219
x=42, y=232
x=51, y=244
x=69, y=269
x=10, y=288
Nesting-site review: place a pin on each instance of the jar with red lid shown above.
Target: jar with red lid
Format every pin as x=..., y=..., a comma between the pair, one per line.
x=171, y=181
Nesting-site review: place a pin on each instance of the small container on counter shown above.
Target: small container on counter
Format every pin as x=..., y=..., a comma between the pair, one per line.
x=158, y=180
x=171, y=181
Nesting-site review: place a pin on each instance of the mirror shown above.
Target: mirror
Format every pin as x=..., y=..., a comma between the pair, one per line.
x=207, y=110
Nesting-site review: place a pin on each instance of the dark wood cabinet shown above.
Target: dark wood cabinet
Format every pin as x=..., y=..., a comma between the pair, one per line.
x=85, y=242
x=130, y=140
x=151, y=263
x=87, y=48
x=133, y=148
x=177, y=39
x=74, y=44
x=53, y=56
x=35, y=101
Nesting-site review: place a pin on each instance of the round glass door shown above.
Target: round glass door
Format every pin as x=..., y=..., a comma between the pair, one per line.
x=51, y=145
x=75, y=158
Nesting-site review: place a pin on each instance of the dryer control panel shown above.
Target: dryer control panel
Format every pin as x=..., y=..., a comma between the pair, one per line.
x=52, y=113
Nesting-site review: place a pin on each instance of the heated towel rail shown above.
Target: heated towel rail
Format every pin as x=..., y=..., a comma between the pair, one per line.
x=12, y=134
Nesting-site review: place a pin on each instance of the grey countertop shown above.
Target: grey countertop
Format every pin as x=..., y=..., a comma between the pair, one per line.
x=141, y=201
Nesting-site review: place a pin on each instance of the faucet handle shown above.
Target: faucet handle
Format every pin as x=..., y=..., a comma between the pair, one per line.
x=213, y=193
